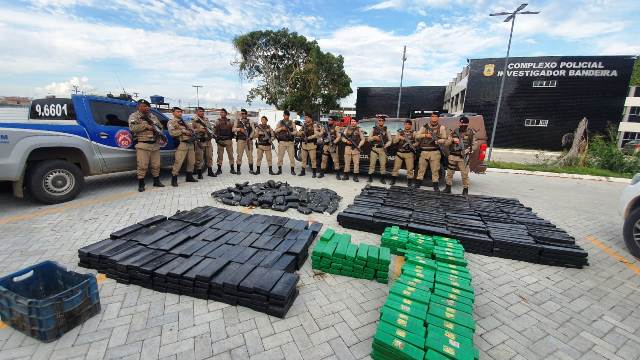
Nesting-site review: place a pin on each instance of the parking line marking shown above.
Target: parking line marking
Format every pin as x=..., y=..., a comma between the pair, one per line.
x=2, y=325
x=614, y=254
x=59, y=209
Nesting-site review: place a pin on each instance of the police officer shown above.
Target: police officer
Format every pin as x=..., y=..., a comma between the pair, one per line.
x=406, y=152
x=264, y=136
x=147, y=130
x=204, y=150
x=310, y=133
x=182, y=132
x=461, y=143
x=431, y=137
x=353, y=138
x=330, y=148
x=285, y=131
x=380, y=141
x=223, y=131
x=243, y=128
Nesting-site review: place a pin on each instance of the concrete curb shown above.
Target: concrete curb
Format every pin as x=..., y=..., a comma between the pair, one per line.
x=560, y=175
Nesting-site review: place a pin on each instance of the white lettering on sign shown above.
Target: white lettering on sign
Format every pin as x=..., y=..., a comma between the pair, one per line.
x=556, y=69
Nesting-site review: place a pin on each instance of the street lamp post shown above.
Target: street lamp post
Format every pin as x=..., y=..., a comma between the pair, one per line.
x=512, y=18
x=197, y=93
x=404, y=58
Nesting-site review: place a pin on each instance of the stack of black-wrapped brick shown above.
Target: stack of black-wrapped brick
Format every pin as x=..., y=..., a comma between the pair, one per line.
x=210, y=253
x=486, y=225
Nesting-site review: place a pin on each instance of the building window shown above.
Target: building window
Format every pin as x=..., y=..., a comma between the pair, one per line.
x=536, y=122
x=545, y=83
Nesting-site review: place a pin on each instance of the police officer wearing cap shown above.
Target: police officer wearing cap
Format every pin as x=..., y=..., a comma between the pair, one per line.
x=462, y=144
x=380, y=141
x=243, y=128
x=430, y=138
x=204, y=150
x=264, y=136
x=223, y=130
x=285, y=131
x=147, y=131
x=406, y=152
x=186, y=137
x=330, y=148
x=353, y=139
x=309, y=133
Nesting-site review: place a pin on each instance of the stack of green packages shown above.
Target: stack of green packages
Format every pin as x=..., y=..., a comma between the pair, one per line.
x=401, y=242
x=428, y=313
x=336, y=254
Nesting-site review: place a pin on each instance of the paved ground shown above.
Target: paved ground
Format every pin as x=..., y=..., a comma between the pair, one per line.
x=523, y=311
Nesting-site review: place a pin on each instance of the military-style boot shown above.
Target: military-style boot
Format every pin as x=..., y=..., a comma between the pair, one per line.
x=219, y=171
x=393, y=180
x=382, y=179
x=233, y=171
x=257, y=172
x=321, y=175
x=271, y=171
x=314, y=173
x=174, y=181
x=417, y=184
x=279, y=170
x=447, y=189
x=338, y=175
x=436, y=187
x=410, y=183
x=465, y=191
x=345, y=176
x=303, y=172
x=370, y=178
x=355, y=177
x=238, y=169
x=251, y=169
x=189, y=178
x=293, y=171
x=140, y=185
x=156, y=182
x=199, y=172
x=210, y=172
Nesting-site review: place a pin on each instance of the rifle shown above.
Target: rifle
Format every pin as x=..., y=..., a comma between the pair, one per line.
x=261, y=136
x=207, y=127
x=350, y=138
x=247, y=131
x=461, y=147
x=156, y=129
x=407, y=144
x=434, y=137
x=329, y=140
x=381, y=135
x=194, y=137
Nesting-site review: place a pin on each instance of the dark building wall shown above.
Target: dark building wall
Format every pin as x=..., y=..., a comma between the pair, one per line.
x=384, y=100
x=598, y=95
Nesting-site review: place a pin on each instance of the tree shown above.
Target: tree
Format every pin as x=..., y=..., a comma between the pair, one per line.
x=635, y=75
x=291, y=72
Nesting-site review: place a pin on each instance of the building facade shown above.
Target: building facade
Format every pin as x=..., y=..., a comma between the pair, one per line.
x=384, y=100
x=544, y=97
x=630, y=125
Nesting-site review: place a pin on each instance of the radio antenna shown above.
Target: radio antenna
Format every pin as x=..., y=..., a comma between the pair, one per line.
x=122, y=86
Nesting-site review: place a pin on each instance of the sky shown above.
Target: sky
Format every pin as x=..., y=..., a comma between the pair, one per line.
x=165, y=46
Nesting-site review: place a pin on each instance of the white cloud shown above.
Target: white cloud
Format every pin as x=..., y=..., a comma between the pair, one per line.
x=64, y=88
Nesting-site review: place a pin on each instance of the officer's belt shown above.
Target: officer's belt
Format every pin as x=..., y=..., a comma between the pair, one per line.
x=148, y=142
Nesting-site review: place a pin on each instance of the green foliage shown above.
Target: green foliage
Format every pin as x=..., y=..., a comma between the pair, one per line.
x=635, y=76
x=547, y=167
x=290, y=71
x=604, y=153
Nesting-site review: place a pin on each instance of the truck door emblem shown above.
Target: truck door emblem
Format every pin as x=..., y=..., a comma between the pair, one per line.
x=124, y=139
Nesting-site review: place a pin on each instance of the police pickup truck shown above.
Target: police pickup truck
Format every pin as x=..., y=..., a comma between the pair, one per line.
x=62, y=140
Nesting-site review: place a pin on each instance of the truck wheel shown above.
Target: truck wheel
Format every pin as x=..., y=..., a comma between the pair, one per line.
x=631, y=232
x=54, y=181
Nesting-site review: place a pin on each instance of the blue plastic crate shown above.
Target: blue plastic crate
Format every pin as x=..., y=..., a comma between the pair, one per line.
x=47, y=300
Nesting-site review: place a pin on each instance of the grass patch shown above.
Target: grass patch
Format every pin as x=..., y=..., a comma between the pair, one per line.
x=580, y=170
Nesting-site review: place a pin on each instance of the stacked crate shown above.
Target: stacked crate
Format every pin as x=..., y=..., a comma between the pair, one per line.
x=336, y=254
x=429, y=311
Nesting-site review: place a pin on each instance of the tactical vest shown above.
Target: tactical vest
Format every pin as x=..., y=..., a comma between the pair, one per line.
x=309, y=130
x=405, y=145
x=264, y=137
x=247, y=128
x=430, y=144
x=181, y=125
x=353, y=135
x=467, y=139
x=146, y=136
x=384, y=137
x=285, y=135
x=224, y=129
x=197, y=123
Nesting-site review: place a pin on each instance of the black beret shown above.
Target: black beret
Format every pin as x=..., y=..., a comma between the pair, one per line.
x=243, y=111
x=464, y=120
x=143, y=101
x=199, y=108
x=225, y=110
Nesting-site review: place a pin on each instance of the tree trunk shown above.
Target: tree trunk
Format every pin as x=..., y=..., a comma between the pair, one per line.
x=578, y=151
